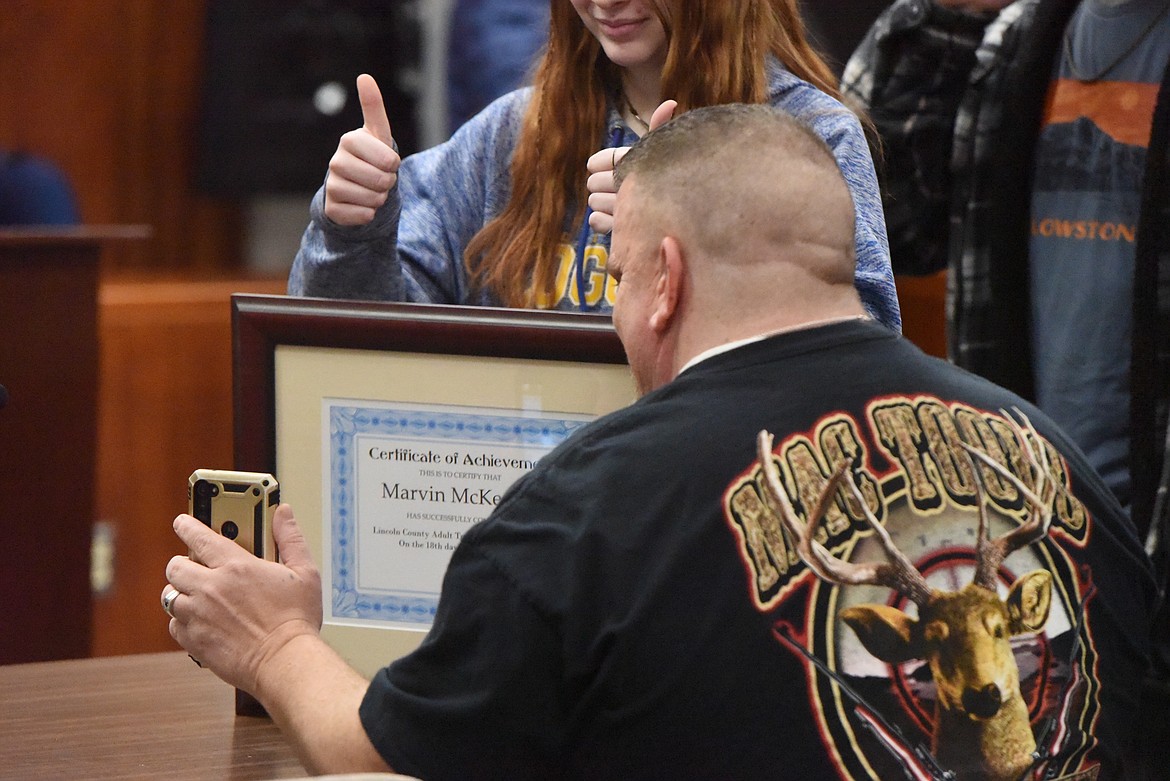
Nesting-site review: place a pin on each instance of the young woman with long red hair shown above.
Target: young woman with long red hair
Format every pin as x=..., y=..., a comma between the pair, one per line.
x=499, y=214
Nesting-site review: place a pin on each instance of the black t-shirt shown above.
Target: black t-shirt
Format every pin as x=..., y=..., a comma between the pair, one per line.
x=631, y=611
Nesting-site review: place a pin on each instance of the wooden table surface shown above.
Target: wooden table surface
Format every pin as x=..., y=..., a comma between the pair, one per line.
x=145, y=716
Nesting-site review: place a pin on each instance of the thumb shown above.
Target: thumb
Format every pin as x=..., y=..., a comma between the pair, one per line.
x=290, y=540
x=663, y=113
x=374, y=117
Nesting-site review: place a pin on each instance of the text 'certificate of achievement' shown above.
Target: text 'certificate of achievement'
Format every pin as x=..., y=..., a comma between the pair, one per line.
x=407, y=481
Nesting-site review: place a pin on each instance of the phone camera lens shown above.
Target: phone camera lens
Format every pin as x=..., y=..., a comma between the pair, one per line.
x=204, y=488
x=229, y=530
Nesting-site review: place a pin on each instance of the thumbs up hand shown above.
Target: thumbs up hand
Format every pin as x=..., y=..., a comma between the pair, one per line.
x=364, y=169
x=602, y=192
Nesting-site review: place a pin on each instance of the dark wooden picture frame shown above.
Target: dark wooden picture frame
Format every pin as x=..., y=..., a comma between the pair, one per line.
x=262, y=325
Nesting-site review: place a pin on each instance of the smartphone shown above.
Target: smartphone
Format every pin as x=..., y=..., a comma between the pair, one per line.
x=237, y=505
x=240, y=506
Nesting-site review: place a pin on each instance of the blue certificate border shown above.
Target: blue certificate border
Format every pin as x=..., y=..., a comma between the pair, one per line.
x=346, y=423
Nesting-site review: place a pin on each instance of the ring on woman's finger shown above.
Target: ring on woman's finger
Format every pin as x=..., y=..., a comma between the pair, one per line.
x=168, y=600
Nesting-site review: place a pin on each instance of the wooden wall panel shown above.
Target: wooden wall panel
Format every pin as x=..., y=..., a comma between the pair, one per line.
x=165, y=409
x=110, y=90
x=923, y=304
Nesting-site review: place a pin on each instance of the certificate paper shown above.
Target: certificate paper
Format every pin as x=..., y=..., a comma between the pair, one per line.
x=374, y=613
x=407, y=482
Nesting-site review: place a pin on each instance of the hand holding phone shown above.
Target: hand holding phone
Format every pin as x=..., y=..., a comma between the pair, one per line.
x=239, y=506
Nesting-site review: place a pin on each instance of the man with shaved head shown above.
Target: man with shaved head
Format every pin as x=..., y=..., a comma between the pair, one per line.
x=807, y=551
x=743, y=237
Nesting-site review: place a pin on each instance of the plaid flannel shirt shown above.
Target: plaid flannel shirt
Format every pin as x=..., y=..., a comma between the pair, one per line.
x=958, y=102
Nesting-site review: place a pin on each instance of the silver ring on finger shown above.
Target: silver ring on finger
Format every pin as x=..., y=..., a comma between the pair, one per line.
x=168, y=600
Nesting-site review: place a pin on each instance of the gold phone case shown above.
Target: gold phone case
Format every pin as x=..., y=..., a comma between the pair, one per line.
x=236, y=505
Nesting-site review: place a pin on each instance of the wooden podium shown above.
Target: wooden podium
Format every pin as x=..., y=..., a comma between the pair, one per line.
x=48, y=364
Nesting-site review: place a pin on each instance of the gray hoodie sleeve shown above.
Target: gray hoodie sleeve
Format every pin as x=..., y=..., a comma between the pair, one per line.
x=413, y=248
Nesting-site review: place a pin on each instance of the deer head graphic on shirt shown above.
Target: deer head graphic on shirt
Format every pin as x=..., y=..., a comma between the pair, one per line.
x=981, y=729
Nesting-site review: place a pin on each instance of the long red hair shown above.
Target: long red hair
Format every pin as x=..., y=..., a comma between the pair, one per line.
x=517, y=254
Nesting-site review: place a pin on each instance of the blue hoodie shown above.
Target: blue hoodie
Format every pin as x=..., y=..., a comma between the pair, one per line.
x=413, y=248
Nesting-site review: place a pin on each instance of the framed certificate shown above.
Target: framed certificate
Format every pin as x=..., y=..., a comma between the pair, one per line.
x=395, y=427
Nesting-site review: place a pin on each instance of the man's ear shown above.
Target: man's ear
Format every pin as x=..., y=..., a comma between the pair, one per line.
x=668, y=284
